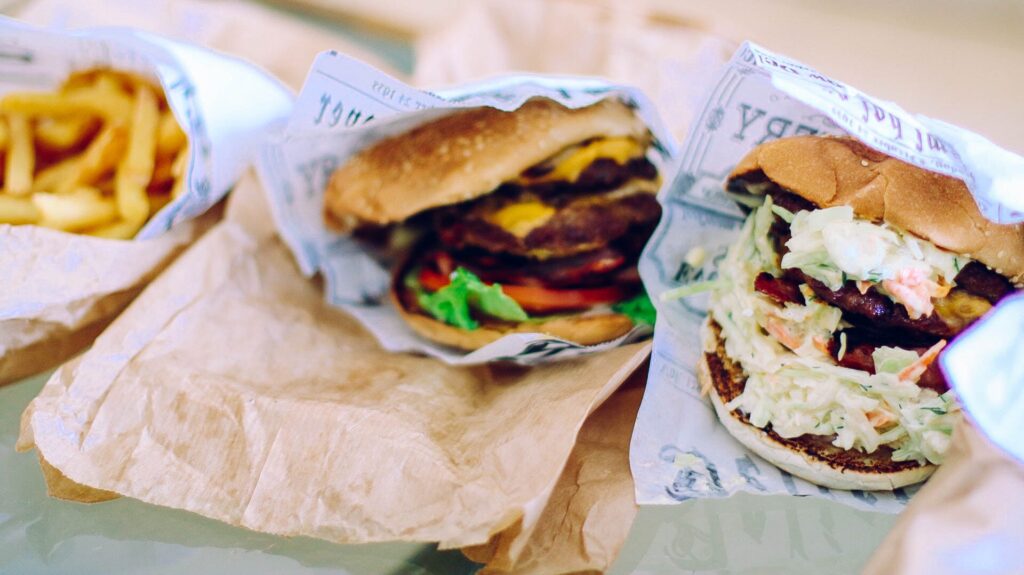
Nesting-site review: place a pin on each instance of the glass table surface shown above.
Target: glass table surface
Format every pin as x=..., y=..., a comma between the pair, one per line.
x=744, y=534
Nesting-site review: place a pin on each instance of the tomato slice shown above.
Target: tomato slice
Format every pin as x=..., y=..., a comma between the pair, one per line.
x=543, y=300
x=538, y=299
x=432, y=280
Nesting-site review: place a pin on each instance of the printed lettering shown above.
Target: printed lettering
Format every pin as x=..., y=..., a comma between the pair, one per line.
x=805, y=130
x=747, y=120
x=325, y=100
x=867, y=110
x=879, y=112
x=776, y=128
x=353, y=118
x=897, y=126
x=336, y=114
x=386, y=92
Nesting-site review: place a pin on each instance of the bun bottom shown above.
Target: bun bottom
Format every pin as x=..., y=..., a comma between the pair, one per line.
x=809, y=457
x=582, y=330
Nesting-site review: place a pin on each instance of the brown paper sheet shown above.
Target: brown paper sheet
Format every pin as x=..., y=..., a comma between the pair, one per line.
x=591, y=510
x=60, y=290
x=230, y=389
x=967, y=518
x=672, y=61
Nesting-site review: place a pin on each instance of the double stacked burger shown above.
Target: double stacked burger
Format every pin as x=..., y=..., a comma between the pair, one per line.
x=534, y=220
x=852, y=272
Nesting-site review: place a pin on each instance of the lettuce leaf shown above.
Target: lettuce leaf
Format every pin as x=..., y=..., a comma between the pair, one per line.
x=638, y=308
x=892, y=359
x=452, y=303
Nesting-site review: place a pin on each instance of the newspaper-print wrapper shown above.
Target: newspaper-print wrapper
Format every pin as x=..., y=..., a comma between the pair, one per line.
x=346, y=106
x=62, y=288
x=679, y=449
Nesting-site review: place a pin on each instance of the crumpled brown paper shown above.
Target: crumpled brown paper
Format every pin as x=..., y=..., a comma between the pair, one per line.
x=966, y=519
x=230, y=389
x=60, y=290
x=590, y=513
x=672, y=61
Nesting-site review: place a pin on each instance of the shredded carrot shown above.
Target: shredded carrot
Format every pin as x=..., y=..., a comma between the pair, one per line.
x=877, y=418
x=913, y=371
x=863, y=286
x=778, y=330
x=821, y=344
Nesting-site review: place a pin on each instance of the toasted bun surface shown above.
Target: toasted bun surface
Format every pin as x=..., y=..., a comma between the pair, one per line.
x=584, y=330
x=842, y=171
x=463, y=156
x=810, y=457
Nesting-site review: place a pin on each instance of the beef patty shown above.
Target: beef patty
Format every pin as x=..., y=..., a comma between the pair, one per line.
x=580, y=222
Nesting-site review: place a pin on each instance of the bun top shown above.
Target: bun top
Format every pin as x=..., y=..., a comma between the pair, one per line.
x=831, y=172
x=464, y=155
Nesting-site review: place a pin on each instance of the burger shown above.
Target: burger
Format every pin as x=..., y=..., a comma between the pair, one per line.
x=851, y=273
x=528, y=221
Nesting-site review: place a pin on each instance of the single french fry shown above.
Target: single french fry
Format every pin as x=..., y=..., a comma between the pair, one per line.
x=4, y=137
x=179, y=169
x=57, y=177
x=15, y=210
x=77, y=210
x=121, y=230
x=103, y=100
x=21, y=156
x=80, y=79
x=136, y=169
x=171, y=139
x=102, y=155
x=63, y=133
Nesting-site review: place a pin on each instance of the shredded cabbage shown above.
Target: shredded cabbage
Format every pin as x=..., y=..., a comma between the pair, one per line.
x=793, y=383
x=832, y=246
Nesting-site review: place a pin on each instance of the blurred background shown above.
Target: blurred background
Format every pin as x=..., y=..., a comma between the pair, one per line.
x=957, y=60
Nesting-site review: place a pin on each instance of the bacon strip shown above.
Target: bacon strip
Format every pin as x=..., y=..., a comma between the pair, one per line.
x=779, y=289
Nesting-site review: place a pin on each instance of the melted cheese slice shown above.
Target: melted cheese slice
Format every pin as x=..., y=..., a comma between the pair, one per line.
x=571, y=163
x=521, y=218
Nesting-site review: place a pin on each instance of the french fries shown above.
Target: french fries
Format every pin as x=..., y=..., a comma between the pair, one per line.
x=100, y=156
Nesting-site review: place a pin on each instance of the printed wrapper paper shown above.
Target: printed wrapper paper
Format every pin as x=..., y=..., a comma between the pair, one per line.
x=60, y=289
x=679, y=450
x=230, y=388
x=672, y=61
x=347, y=105
x=590, y=513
